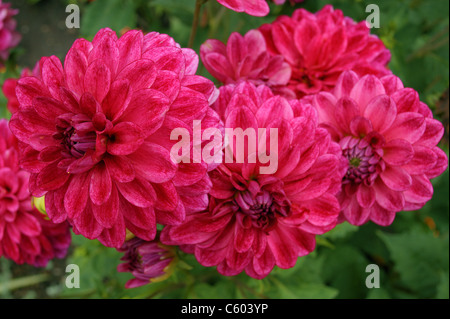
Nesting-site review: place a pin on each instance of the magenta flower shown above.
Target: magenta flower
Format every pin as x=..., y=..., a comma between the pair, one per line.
x=257, y=8
x=9, y=38
x=319, y=47
x=147, y=261
x=97, y=134
x=389, y=138
x=26, y=236
x=9, y=88
x=256, y=221
x=245, y=58
x=279, y=2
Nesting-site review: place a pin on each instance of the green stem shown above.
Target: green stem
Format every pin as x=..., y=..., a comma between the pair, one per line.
x=198, y=6
x=23, y=282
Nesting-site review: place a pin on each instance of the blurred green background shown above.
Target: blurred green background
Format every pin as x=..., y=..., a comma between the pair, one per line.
x=413, y=253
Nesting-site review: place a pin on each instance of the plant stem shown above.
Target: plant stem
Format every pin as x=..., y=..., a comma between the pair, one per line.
x=24, y=282
x=198, y=6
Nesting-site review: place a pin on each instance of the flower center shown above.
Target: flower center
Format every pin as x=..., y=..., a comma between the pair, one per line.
x=77, y=135
x=364, y=162
x=261, y=208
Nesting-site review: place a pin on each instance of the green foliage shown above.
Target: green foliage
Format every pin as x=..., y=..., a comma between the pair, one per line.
x=420, y=266
x=114, y=14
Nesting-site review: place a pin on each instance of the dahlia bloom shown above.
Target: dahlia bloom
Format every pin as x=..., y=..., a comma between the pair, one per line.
x=97, y=134
x=279, y=2
x=258, y=8
x=26, y=235
x=245, y=58
x=9, y=88
x=256, y=221
x=9, y=38
x=319, y=47
x=147, y=261
x=389, y=138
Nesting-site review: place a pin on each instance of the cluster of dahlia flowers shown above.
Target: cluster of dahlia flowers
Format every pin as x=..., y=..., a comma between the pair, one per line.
x=94, y=138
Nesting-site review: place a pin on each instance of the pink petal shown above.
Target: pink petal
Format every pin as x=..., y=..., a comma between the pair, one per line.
x=55, y=214
x=189, y=105
x=345, y=111
x=146, y=109
x=388, y=199
x=189, y=173
x=130, y=48
x=360, y=126
x=106, y=213
x=141, y=74
x=52, y=75
x=355, y=214
x=139, y=192
x=396, y=178
x=421, y=190
x=51, y=177
x=422, y=161
x=381, y=216
x=77, y=195
x=367, y=88
x=75, y=66
x=243, y=239
x=153, y=162
x=433, y=133
x=100, y=185
x=117, y=100
x=119, y=168
x=115, y=236
x=398, y=152
x=391, y=84
x=381, y=111
x=141, y=222
x=365, y=196
x=167, y=196
x=87, y=224
x=345, y=84
x=125, y=138
x=408, y=126
x=441, y=163
x=97, y=80
x=274, y=108
x=407, y=100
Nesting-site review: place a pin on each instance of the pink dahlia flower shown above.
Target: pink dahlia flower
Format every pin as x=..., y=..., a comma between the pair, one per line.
x=256, y=221
x=389, y=138
x=9, y=38
x=258, y=8
x=319, y=47
x=147, y=261
x=9, y=88
x=245, y=58
x=279, y=2
x=26, y=235
x=97, y=134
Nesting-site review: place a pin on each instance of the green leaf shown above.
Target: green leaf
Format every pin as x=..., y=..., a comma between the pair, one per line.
x=340, y=231
x=419, y=259
x=378, y=293
x=299, y=290
x=443, y=288
x=344, y=269
x=114, y=14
